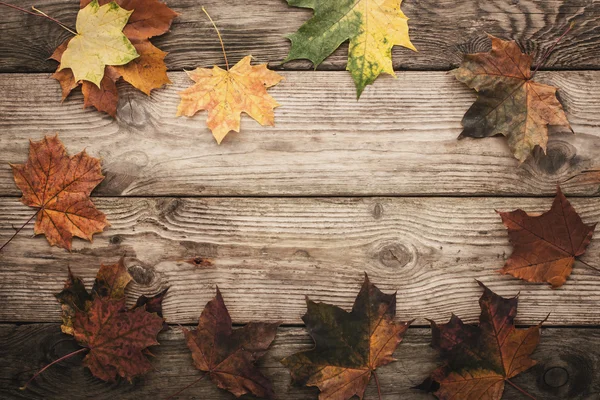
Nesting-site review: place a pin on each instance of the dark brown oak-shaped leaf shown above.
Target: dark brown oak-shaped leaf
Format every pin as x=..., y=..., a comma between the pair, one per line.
x=509, y=102
x=479, y=360
x=117, y=337
x=349, y=346
x=545, y=246
x=228, y=355
x=146, y=72
x=59, y=186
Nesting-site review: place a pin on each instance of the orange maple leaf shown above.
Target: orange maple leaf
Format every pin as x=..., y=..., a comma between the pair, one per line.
x=228, y=93
x=59, y=186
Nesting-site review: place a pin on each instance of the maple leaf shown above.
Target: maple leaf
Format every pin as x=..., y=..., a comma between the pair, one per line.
x=372, y=26
x=228, y=93
x=349, y=346
x=111, y=281
x=147, y=72
x=59, y=186
x=99, y=42
x=509, y=101
x=481, y=359
x=117, y=338
x=228, y=355
x=545, y=246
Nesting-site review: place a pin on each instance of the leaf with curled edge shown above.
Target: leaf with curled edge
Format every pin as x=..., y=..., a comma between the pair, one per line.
x=228, y=355
x=545, y=246
x=59, y=186
x=349, y=346
x=479, y=360
x=147, y=72
x=509, y=101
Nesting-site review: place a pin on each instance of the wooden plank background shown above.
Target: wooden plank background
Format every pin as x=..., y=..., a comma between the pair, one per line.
x=337, y=188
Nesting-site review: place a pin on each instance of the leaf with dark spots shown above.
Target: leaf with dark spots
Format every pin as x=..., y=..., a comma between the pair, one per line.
x=349, y=346
x=117, y=338
x=479, y=360
x=228, y=355
x=509, y=101
x=545, y=246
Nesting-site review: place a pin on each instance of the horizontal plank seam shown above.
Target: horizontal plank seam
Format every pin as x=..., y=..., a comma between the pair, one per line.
x=319, y=69
x=335, y=196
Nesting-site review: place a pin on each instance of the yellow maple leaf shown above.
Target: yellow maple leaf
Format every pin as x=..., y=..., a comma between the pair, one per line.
x=99, y=42
x=228, y=93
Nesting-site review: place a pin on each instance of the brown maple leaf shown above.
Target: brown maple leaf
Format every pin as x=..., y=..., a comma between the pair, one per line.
x=117, y=338
x=545, y=246
x=146, y=72
x=349, y=346
x=228, y=356
x=59, y=186
x=479, y=360
x=509, y=101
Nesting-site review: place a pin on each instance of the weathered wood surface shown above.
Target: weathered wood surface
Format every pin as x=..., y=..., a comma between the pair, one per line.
x=441, y=30
x=268, y=253
x=567, y=368
x=399, y=139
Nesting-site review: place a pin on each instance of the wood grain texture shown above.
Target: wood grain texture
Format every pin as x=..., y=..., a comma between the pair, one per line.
x=441, y=30
x=268, y=253
x=567, y=368
x=399, y=139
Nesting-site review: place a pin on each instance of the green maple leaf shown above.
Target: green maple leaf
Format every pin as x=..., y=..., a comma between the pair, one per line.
x=372, y=26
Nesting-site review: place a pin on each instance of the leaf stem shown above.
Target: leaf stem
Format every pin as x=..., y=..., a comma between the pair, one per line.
x=187, y=387
x=520, y=390
x=39, y=13
x=377, y=383
x=220, y=38
x=20, y=229
x=51, y=364
x=589, y=266
x=551, y=49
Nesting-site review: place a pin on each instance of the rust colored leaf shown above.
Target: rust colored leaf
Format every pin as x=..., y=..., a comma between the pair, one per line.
x=59, y=186
x=228, y=355
x=147, y=72
x=545, y=246
x=349, y=346
x=479, y=360
x=509, y=101
x=117, y=338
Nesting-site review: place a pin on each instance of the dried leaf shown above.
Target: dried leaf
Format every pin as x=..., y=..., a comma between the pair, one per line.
x=226, y=94
x=509, y=102
x=117, y=337
x=228, y=355
x=59, y=186
x=373, y=28
x=545, y=246
x=480, y=359
x=147, y=72
x=349, y=346
x=99, y=42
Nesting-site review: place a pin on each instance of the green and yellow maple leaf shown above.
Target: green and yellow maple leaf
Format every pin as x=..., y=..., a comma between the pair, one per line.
x=99, y=42
x=372, y=26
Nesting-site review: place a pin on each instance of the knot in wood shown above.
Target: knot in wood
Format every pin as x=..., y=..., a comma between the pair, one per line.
x=556, y=377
